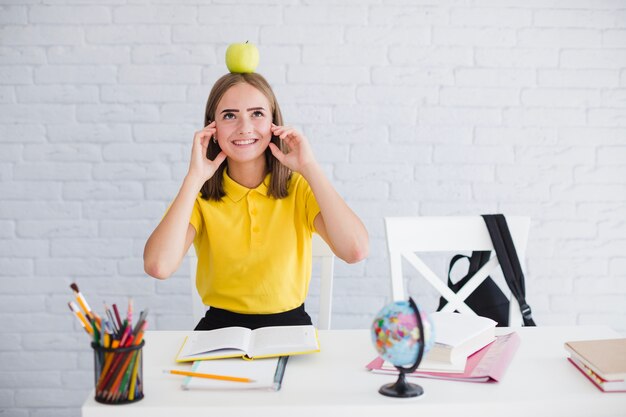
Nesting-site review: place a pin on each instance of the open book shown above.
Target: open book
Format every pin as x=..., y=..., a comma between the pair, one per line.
x=263, y=342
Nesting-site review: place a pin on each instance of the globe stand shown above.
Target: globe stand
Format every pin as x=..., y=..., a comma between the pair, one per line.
x=401, y=388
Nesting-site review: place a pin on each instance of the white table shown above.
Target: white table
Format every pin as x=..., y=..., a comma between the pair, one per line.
x=539, y=382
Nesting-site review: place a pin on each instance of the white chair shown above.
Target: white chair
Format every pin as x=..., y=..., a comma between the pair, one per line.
x=321, y=251
x=408, y=235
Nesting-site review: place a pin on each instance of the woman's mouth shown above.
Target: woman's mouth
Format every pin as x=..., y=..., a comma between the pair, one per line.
x=244, y=142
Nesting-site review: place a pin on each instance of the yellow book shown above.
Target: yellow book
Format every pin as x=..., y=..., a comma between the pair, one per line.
x=264, y=342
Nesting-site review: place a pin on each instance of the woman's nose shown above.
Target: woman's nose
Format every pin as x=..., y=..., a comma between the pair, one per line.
x=245, y=127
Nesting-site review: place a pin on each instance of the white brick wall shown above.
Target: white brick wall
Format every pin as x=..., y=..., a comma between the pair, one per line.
x=460, y=108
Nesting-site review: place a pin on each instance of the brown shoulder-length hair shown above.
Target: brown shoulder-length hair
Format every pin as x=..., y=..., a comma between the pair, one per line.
x=213, y=188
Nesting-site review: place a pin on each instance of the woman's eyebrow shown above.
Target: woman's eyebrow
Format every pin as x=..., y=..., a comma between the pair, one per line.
x=237, y=110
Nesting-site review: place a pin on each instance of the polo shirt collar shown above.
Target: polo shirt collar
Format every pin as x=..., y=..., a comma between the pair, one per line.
x=236, y=191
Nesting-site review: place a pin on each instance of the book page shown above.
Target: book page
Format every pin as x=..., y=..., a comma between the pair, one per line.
x=261, y=371
x=220, y=342
x=430, y=366
x=283, y=340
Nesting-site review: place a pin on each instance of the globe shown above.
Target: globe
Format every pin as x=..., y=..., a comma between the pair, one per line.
x=401, y=335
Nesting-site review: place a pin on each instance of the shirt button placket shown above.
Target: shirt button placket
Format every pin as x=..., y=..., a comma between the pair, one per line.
x=255, y=229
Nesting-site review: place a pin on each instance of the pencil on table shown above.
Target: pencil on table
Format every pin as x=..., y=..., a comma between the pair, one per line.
x=208, y=376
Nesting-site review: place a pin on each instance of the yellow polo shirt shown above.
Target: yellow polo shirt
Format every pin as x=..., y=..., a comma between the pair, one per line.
x=254, y=251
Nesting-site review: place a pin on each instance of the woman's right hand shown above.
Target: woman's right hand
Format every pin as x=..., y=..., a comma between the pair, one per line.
x=202, y=168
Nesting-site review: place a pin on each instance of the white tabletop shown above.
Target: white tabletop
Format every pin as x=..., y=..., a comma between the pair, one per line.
x=539, y=382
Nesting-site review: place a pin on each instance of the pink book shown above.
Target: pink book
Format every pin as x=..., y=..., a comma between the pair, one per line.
x=603, y=385
x=486, y=365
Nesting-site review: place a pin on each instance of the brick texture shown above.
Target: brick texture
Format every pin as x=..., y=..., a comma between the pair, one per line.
x=452, y=109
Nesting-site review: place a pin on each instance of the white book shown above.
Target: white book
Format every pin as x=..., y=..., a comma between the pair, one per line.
x=264, y=373
x=457, y=336
x=263, y=342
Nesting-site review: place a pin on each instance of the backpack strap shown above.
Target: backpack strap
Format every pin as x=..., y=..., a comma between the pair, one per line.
x=453, y=286
x=455, y=258
x=509, y=262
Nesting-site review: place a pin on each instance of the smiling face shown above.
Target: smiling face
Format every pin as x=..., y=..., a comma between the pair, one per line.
x=243, y=119
x=253, y=83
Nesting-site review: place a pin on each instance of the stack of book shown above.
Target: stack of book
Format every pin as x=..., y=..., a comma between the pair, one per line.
x=457, y=336
x=603, y=362
x=466, y=349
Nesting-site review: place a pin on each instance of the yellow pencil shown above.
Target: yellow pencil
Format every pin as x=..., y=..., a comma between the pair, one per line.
x=133, y=377
x=208, y=376
x=80, y=317
x=81, y=300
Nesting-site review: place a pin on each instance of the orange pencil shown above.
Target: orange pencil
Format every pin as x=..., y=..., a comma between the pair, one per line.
x=139, y=337
x=208, y=376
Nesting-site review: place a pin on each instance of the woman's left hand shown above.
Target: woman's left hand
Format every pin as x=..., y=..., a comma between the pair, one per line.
x=299, y=156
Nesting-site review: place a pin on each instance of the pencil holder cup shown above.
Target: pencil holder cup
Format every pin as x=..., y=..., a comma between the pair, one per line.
x=118, y=373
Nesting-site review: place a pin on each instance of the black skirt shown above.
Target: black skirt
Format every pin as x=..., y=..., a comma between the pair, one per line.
x=216, y=318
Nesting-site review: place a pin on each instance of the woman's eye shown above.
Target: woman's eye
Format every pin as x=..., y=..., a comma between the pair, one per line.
x=228, y=116
x=258, y=113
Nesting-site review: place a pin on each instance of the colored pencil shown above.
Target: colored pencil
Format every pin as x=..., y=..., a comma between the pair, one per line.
x=117, y=316
x=81, y=300
x=117, y=370
x=133, y=379
x=81, y=318
x=208, y=376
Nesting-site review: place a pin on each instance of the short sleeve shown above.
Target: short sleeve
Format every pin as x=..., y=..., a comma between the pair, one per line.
x=310, y=202
x=196, y=217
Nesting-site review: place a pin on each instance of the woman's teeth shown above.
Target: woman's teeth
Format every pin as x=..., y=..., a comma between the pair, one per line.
x=244, y=142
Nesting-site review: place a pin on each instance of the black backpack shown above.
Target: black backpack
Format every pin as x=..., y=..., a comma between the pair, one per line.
x=487, y=299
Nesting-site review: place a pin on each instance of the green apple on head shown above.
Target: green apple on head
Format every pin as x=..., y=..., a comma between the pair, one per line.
x=242, y=57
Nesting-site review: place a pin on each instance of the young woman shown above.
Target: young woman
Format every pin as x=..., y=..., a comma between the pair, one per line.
x=252, y=198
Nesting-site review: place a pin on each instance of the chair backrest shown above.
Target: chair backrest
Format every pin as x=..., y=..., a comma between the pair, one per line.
x=321, y=252
x=408, y=235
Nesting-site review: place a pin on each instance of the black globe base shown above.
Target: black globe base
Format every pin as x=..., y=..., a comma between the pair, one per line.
x=401, y=388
